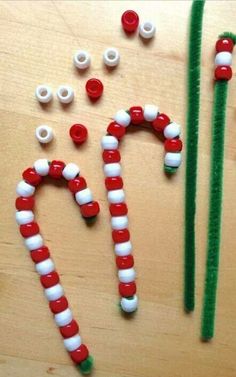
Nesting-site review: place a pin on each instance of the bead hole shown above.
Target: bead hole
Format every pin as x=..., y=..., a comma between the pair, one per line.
x=43, y=133
x=81, y=58
x=43, y=92
x=147, y=27
x=64, y=92
x=111, y=55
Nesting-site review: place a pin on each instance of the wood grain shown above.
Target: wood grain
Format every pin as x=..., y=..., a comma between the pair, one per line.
x=37, y=42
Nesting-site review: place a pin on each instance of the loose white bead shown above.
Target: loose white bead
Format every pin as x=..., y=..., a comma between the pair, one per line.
x=65, y=94
x=24, y=189
x=63, y=318
x=119, y=222
x=116, y=196
x=109, y=142
x=44, y=134
x=42, y=166
x=172, y=130
x=122, y=118
x=54, y=293
x=150, y=112
x=43, y=93
x=24, y=217
x=129, y=305
x=127, y=275
x=84, y=196
x=123, y=248
x=34, y=242
x=70, y=171
x=45, y=267
x=147, y=29
x=111, y=57
x=82, y=59
x=112, y=170
x=173, y=159
x=223, y=58
x=72, y=343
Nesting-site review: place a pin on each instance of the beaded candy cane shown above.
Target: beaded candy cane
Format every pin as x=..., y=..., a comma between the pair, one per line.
x=39, y=253
x=114, y=184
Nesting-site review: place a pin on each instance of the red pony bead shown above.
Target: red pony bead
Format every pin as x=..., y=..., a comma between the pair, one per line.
x=59, y=305
x=125, y=262
x=40, y=254
x=78, y=133
x=50, y=279
x=160, y=122
x=223, y=72
x=24, y=204
x=130, y=21
x=136, y=114
x=69, y=330
x=80, y=354
x=118, y=209
x=121, y=235
x=56, y=168
x=77, y=184
x=110, y=156
x=30, y=229
x=127, y=289
x=94, y=88
x=113, y=183
x=173, y=145
x=224, y=44
x=31, y=177
x=90, y=209
x=116, y=130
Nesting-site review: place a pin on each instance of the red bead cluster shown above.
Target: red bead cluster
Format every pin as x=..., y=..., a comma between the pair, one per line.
x=224, y=72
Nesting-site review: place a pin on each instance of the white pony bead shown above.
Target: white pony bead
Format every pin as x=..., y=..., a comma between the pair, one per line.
x=24, y=217
x=63, y=318
x=43, y=93
x=72, y=343
x=34, y=242
x=84, y=196
x=82, y=59
x=172, y=130
x=123, y=248
x=116, y=196
x=150, y=112
x=24, y=189
x=109, y=142
x=54, y=293
x=112, y=170
x=129, y=305
x=111, y=57
x=127, y=275
x=42, y=166
x=45, y=267
x=147, y=29
x=173, y=159
x=119, y=222
x=65, y=94
x=122, y=118
x=44, y=134
x=223, y=58
x=70, y=171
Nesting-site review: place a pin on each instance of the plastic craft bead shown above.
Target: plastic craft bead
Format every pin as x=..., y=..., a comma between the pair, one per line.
x=31, y=177
x=44, y=134
x=127, y=289
x=116, y=130
x=112, y=170
x=173, y=145
x=122, y=249
x=71, y=344
x=223, y=72
x=224, y=44
x=130, y=21
x=147, y=30
x=54, y=293
x=136, y=114
x=70, y=171
x=80, y=354
x=119, y=222
x=65, y=94
x=56, y=168
x=24, y=203
x=24, y=217
x=113, y=183
x=77, y=184
x=111, y=57
x=118, y=209
x=82, y=59
x=120, y=236
x=90, y=209
x=160, y=123
x=126, y=276
x=173, y=159
x=109, y=142
x=69, y=330
x=42, y=166
x=111, y=156
x=78, y=133
x=59, y=305
x=122, y=118
x=124, y=262
x=25, y=189
x=43, y=93
x=94, y=88
x=223, y=58
x=34, y=242
x=116, y=196
x=49, y=280
x=150, y=112
x=63, y=318
x=45, y=267
x=84, y=196
x=40, y=254
x=129, y=305
x=172, y=130
x=30, y=229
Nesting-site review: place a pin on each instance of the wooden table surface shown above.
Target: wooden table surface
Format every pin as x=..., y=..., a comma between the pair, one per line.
x=37, y=42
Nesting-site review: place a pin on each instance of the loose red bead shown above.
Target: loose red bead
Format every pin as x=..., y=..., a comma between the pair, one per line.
x=94, y=88
x=90, y=209
x=118, y=209
x=113, y=183
x=116, y=130
x=78, y=133
x=224, y=44
x=69, y=330
x=173, y=145
x=77, y=184
x=31, y=177
x=110, y=156
x=121, y=235
x=30, y=229
x=161, y=122
x=136, y=114
x=127, y=289
x=223, y=72
x=50, y=279
x=59, y=306
x=56, y=168
x=24, y=204
x=125, y=262
x=130, y=21
x=80, y=354
x=40, y=254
